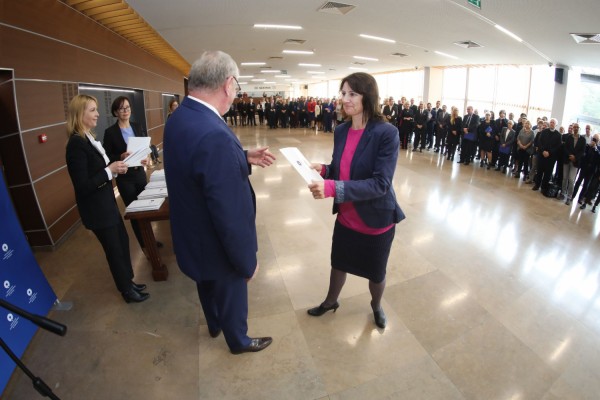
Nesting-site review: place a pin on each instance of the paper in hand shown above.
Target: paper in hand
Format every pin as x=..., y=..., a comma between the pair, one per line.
x=139, y=147
x=301, y=164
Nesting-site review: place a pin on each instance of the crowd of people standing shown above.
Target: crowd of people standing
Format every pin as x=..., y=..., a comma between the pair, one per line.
x=555, y=160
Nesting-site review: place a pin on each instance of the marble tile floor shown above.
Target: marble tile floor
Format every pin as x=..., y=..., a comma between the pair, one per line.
x=493, y=292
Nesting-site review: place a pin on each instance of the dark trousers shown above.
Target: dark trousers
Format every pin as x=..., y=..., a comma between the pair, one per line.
x=545, y=168
x=115, y=242
x=467, y=150
x=225, y=306
x=440, y=138
x=582, y=178
x=523, y=156
x=420, y=137
x=130, y=185
x=404, y=137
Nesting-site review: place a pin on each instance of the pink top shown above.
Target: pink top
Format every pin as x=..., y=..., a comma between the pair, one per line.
x=347, y=214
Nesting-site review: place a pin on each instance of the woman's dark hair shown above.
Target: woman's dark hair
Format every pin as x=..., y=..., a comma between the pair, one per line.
x=365, y=85
x=116, y=104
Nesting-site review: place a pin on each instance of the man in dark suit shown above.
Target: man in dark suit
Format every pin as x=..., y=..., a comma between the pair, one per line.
x=470, y=124
x=212, y=204
x=549, y=144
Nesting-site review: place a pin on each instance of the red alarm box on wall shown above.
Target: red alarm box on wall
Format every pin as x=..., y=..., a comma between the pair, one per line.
x=43, y=138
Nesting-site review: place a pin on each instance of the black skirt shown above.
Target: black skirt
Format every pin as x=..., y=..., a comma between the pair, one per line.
x=359, y=254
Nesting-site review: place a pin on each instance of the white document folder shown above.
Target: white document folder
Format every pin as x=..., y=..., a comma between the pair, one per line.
x=301, y=164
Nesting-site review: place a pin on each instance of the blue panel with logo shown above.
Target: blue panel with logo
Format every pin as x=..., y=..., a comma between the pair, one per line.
x=22, y=284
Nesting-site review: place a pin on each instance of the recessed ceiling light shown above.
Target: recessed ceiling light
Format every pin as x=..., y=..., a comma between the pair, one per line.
x=268, y=82
x=273, y=26
x=509, y=33
x=282, y=76
x=298, y=52
x=253, y=63
x=258, y=80
x=270, y=71
x=243, y=83
x=315, y=72
x=366, y=58
x=309, y=65
x=377, y=38
x=445, y=55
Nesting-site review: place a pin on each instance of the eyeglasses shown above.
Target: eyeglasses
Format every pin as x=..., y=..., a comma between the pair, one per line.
x=124, y=109
x=239, y=88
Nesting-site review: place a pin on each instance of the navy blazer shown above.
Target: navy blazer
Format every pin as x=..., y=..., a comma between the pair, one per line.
x=371, y=173
x=210, y=197
x=93, y=190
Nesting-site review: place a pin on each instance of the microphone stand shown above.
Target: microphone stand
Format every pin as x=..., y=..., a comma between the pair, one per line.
x=44, y=323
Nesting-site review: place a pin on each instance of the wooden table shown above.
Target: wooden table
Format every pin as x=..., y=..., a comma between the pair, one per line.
x=144, y=219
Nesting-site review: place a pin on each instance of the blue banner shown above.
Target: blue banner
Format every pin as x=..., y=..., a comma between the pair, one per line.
x=22, y=284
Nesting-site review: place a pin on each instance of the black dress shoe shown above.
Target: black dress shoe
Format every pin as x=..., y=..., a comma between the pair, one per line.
x=380, y=319
x=321, y=309
x=133, y=296
x=214, y=334
x=256, y=344
x=138, y=287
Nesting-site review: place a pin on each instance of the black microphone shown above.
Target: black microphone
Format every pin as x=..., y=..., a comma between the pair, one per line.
x=40, y=321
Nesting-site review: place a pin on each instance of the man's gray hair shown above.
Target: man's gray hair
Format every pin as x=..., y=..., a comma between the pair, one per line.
x=211, y=70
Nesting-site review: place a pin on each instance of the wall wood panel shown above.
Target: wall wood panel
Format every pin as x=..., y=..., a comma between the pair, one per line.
x=44, y=158
x=154, y=118
x=26, y=207
x=38, y=238
x=40, y=103
x=15, y=167
x=8, y=108
x=55, y=194
x=63, y=225
x=157, y=135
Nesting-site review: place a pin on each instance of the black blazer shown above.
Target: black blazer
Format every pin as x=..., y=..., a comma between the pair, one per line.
x=93, y=190
x=114, y=144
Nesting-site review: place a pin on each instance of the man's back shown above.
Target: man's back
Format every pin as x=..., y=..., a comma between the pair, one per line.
x=210, y=199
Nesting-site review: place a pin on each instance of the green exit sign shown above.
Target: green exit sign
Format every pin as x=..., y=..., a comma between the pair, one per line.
x=475, y=3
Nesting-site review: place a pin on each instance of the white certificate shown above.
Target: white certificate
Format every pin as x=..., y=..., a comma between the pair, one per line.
x=139, y=147
x=301, y=164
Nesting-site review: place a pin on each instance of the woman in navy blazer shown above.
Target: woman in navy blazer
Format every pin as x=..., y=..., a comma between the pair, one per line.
x=134, y=181
x=359, y=178
x=91, y=173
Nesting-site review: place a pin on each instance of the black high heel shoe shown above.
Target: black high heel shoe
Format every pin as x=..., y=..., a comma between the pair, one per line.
x=321, y=309
x=138, y=287
x=380, y=319
x=133, y=296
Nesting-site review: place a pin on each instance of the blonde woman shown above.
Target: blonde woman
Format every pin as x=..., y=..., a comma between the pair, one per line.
x=91, y=173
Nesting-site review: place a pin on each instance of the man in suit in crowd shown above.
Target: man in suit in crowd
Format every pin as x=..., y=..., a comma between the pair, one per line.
x=212, y=204
x=470, y=124
x=548, y=145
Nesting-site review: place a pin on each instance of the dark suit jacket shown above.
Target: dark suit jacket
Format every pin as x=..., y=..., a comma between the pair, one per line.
x=371, y=172
x=471, y=123
x=210, y=197
x=114, y=144
x=93, y=190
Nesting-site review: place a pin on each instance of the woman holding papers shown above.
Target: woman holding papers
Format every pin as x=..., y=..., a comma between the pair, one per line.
x=116, y=138
x=91, y=173
x=359, y=179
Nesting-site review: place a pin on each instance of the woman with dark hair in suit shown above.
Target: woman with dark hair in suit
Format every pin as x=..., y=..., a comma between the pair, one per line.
x=116, y=137
x=91, y=173
x=359, y=179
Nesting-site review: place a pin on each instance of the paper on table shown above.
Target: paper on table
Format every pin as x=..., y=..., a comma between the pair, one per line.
x=301, y=164
x=134, y=145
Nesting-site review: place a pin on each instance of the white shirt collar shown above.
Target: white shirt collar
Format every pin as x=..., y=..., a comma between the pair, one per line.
x=210, y=106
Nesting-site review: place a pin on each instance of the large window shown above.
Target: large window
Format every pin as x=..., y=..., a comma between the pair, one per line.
x=590, y=107
x=453, y=88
